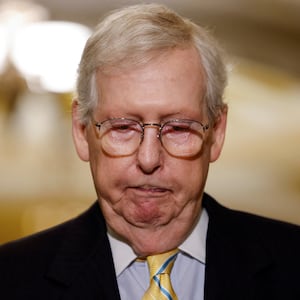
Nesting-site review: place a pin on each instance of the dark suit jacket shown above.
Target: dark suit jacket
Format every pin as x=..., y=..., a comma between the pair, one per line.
x=248, y=257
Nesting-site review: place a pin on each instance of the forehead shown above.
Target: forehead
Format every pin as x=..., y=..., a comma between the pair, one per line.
x=172, y=83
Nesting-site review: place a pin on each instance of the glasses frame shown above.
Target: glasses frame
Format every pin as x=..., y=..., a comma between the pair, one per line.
x=160, y=126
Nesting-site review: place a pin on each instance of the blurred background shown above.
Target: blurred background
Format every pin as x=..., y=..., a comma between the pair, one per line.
x=42, y=180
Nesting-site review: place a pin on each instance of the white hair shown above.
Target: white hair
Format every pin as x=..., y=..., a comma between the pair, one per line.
x=134, y=35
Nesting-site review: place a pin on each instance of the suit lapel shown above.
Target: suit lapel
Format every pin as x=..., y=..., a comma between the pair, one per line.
x=235, y=255
x=83, y=266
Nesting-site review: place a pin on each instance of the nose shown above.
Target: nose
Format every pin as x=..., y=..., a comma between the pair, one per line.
x=149, y=152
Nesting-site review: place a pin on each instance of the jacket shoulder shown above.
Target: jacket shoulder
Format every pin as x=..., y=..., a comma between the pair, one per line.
x=35, y=252
x=250, y=255
x=280, y=236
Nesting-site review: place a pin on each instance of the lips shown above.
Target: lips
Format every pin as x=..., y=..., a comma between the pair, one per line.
x=153, y=189
x=150, y=189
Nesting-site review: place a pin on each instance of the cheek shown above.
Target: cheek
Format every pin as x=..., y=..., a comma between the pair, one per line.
x=191, y=176
x=109, y=175
x=196, y=180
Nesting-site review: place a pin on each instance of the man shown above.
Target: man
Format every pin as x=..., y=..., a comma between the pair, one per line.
x=149, y=117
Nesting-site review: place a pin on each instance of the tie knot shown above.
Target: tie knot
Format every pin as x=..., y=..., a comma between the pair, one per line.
x=161, y=263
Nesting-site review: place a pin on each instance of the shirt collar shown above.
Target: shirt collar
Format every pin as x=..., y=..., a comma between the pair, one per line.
x=194, y=245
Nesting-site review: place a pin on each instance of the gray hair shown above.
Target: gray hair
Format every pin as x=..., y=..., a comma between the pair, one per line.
x=134, y=35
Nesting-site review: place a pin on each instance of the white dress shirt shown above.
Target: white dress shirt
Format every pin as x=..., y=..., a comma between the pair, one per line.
x=187, y=275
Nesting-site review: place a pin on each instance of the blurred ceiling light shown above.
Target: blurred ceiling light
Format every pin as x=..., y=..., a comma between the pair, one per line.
x=47, y=54
x=3, y=49
x=18, y=13
x=13, y=16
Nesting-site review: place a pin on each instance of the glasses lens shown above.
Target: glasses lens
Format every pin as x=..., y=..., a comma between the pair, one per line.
x=182, y=138
x=120, y=136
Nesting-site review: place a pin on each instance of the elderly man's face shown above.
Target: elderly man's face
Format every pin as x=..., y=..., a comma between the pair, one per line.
x=150, y=198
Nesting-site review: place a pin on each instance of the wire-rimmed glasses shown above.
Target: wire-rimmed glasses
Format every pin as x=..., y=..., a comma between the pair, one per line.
x=179, y=137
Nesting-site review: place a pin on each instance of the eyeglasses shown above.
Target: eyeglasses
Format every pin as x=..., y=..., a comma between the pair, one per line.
x=122, y=137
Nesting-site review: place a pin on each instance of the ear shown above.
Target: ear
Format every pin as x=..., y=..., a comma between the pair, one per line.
x=218, y=135
x=79, y=134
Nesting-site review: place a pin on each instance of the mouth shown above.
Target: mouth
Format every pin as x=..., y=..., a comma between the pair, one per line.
x=149, y=202
x=150, y=190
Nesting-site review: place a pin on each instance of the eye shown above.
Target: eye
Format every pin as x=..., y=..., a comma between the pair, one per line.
x=121, y=127
x=180, y=127
x=124, y=126
x=176, y=127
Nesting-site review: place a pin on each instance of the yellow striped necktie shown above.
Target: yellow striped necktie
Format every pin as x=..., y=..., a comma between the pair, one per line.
x=160, y=267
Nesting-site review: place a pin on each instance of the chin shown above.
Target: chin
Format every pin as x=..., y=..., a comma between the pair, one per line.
x=144, y=217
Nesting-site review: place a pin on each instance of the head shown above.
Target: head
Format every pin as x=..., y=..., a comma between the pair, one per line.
x=148, y=64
